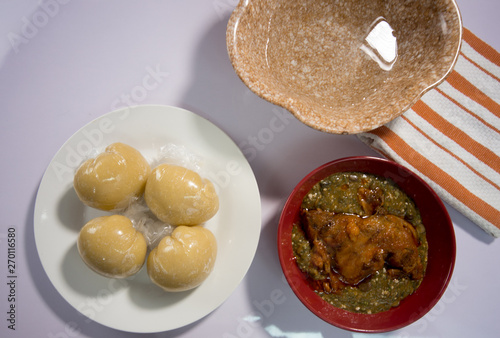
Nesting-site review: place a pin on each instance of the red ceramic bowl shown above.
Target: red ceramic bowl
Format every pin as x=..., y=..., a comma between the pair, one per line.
x=440, y=236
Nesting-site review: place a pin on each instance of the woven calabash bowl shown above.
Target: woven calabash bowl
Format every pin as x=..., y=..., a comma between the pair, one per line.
x=344, y=66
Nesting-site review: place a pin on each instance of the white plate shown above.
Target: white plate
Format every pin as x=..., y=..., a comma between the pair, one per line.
x=135, y=304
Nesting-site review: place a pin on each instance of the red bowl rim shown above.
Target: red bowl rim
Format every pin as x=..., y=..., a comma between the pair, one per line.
x=441, y=244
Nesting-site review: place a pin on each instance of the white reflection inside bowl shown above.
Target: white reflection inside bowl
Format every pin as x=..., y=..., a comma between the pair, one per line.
x=381, y=44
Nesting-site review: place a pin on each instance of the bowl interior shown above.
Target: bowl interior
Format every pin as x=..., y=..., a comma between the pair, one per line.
x=344, y=66
x=440, y=237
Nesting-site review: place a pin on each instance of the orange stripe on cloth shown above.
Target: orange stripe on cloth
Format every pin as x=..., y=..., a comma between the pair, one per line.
x=430, y=139
x=479, y=66
x=465, y=87
x=479, y=118
x=481, y=47
x=475, y=148
x=437, y=175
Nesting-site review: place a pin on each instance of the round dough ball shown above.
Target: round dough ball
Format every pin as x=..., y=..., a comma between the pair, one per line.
x=113, y=179
x=183, y=260
x=112, y=247
x=179, y=196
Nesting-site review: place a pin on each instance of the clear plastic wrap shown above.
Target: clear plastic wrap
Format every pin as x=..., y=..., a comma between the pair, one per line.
x=145, y=222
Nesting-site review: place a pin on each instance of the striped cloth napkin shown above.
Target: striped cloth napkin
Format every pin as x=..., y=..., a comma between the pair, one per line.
x=451, y=137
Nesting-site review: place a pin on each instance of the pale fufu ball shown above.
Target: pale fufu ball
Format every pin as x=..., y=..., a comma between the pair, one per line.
x=183, y=260
x=179, y=196
x=112, y=247
x=113, y=179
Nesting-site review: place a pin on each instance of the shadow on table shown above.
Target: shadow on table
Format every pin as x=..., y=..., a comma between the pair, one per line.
x=272, y=299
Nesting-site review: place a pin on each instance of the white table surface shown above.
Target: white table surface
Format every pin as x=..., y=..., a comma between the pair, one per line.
x=85, y=58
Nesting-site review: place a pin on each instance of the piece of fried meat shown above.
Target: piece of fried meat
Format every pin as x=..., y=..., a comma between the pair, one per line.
x=351, y=248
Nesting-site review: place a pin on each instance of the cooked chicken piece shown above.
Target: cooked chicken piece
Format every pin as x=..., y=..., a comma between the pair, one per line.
x=370, y=199
x=356, y=247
